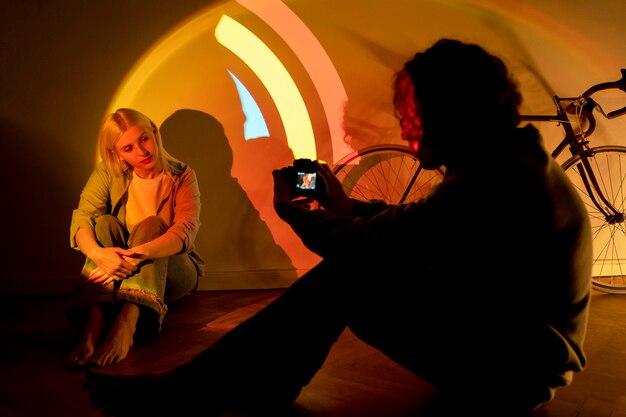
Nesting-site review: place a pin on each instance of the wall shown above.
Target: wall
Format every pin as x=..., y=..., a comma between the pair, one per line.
x=65, y=63
x=61, y=63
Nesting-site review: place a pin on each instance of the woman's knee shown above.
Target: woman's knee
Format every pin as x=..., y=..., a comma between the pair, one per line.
x=148, y=229
x=105, y=222
x=109, y=231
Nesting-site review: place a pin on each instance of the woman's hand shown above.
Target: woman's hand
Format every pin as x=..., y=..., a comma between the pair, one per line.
x=112, y=264
x=136, y=255
x=98, y=276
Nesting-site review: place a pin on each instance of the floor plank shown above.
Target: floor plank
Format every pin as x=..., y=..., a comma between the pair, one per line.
x=356, y=380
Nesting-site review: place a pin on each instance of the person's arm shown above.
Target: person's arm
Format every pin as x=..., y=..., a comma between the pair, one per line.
x=94, y=202
x=334, y=230
x=167, y=244
x=111, y=262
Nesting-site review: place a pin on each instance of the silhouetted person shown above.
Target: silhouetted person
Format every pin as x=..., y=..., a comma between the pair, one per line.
x=481, y=288
x=136, y=223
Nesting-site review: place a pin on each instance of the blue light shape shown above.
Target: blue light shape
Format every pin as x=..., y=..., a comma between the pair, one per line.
x=254, y=127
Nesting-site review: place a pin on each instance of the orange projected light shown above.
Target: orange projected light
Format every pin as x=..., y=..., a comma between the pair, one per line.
x=313, y=56
x=274, y=76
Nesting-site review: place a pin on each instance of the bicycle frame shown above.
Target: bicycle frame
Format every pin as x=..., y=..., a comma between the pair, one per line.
x=584, y=106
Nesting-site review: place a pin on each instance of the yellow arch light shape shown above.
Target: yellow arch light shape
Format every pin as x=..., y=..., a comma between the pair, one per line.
x=314, y=59
x=276, y=79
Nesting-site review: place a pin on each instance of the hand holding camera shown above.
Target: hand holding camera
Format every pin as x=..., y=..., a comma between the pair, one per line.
x=304, y=180
x=308, y=180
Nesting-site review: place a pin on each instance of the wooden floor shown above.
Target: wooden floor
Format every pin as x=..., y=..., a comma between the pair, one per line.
x=356, y=380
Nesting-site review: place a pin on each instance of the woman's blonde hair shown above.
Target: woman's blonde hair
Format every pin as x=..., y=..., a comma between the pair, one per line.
x=114, y=126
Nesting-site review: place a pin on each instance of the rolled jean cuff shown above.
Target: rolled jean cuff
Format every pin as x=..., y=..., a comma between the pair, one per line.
x=144, y=298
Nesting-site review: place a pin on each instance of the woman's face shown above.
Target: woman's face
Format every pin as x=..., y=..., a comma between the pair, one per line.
x=138, y=149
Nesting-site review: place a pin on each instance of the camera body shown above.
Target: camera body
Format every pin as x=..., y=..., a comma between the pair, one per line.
x=303, y=179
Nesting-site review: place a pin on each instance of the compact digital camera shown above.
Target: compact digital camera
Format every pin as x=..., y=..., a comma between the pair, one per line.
x=303, y=178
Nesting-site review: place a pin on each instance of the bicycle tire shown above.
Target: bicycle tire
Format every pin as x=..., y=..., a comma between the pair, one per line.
x=393, y=174
x=385, y=172
x=609, y=236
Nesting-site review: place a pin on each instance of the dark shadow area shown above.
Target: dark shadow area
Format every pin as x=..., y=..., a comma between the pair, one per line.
x=38, y=175
x=355, y=381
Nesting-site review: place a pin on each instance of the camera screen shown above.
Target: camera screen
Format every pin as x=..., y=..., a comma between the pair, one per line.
x=306, y=180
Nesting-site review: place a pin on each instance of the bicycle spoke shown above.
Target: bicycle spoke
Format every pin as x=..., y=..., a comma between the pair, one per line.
x=608, y=232
x=388, y=172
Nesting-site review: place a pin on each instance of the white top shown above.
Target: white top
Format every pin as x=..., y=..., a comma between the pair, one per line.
x=142, y=199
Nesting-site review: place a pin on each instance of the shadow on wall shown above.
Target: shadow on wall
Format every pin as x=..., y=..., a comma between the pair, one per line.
x=253, y=166
x=233, y=240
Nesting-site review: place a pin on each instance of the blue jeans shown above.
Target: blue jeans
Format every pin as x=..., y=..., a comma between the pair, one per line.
x=156, y=281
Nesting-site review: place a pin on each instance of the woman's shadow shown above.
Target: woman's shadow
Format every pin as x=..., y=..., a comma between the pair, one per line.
x=232, y=237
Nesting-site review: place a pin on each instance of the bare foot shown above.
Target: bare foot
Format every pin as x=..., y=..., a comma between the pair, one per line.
x=82, y=354
x=119, y=339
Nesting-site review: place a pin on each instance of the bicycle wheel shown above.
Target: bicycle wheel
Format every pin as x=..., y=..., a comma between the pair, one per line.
x=609, y=235
x=385, y=172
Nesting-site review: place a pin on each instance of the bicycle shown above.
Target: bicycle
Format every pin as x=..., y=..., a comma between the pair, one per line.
x=391, y=173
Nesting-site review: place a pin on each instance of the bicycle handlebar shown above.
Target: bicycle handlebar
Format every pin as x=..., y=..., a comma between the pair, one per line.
x=619, y=84
x=583, y=105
